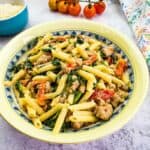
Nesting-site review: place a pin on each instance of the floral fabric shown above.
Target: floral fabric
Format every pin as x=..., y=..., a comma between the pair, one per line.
x=138, y=16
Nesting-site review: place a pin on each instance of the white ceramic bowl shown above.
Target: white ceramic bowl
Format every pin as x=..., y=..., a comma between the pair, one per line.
x=141, y=80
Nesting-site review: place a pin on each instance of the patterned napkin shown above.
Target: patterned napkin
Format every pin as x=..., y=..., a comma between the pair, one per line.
x=138, y=16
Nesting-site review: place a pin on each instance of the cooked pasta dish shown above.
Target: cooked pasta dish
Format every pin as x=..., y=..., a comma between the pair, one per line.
x=70, y=81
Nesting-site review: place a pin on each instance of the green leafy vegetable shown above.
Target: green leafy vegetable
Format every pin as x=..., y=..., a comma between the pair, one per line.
x=28, y=64
x=74, y=44
x=70, y=78
x=73, y=35
x=87, y=48
x=17, y=68
x=53, y=86
x=47, y=49
x=56, y=62
x=18, y=87
x=79, y=40
x=94, y=64
x=77, y=97
x=81, y=80
x=66, y=126
x=51, y=121
x=102, y=54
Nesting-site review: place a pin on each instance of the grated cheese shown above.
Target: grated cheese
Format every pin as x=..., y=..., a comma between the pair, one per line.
x=7, y=10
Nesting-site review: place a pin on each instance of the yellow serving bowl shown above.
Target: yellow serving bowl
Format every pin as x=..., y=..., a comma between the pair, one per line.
x=141, y=80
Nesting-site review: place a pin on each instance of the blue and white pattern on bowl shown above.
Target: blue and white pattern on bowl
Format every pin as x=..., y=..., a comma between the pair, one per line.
x=9, y=91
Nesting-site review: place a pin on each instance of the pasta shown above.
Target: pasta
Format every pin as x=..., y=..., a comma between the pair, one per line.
x=41, y=69
x=31, y=112
x=37, y=123
x=59, y=89
x=35, y=57
x=82, y=113
x=104, y=69
x=32, y=103
x=60, y=120
x=82, y=106
x=86, y=96
x=51, y=112
x=55, y=101
x=88, y=76
x=96, y=72
x=82, y=52
x=70, y=81
x=63, y=56
x=16, y=77
x=51, y=75
x=70, y=98
x=84, y=119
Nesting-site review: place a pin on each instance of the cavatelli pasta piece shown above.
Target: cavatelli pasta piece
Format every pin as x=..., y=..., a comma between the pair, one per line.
x=43, y=68
x=82, y=106
x=15, y=78
x=60, y=120
x=63, y=56
x=59, y=89
x=50, y=112
x=37, y=123
x=84, y=119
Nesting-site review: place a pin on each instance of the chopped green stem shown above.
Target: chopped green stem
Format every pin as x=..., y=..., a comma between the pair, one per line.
x=78, y=95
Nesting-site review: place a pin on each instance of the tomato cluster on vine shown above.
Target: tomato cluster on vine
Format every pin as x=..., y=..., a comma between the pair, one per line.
x=73, y=7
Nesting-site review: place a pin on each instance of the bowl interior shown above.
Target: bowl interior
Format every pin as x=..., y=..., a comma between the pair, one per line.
x=17, y=2
x=11, y=97
x=14, y=2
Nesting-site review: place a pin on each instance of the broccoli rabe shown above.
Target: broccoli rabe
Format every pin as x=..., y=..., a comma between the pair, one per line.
x=19, y=88
x=79, y=40
x=28, y=65
x=47, y=48
x=77, y=97
x=51, y=121
x=56, y=62
x=17, y=68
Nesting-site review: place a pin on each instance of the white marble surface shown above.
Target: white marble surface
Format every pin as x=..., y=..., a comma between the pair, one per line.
x=133, y=136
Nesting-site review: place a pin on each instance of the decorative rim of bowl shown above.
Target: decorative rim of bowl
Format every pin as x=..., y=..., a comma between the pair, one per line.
x=138, y=95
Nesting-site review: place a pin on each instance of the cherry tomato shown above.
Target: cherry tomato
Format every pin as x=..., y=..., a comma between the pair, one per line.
x=63, y=7
x=100, y=7
x=71, y=66
x=89, y=11
x=121, y=67
x=40, y=94
x=52, y=4
x=91, y=60
x=102, y=94
x=74, y=9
